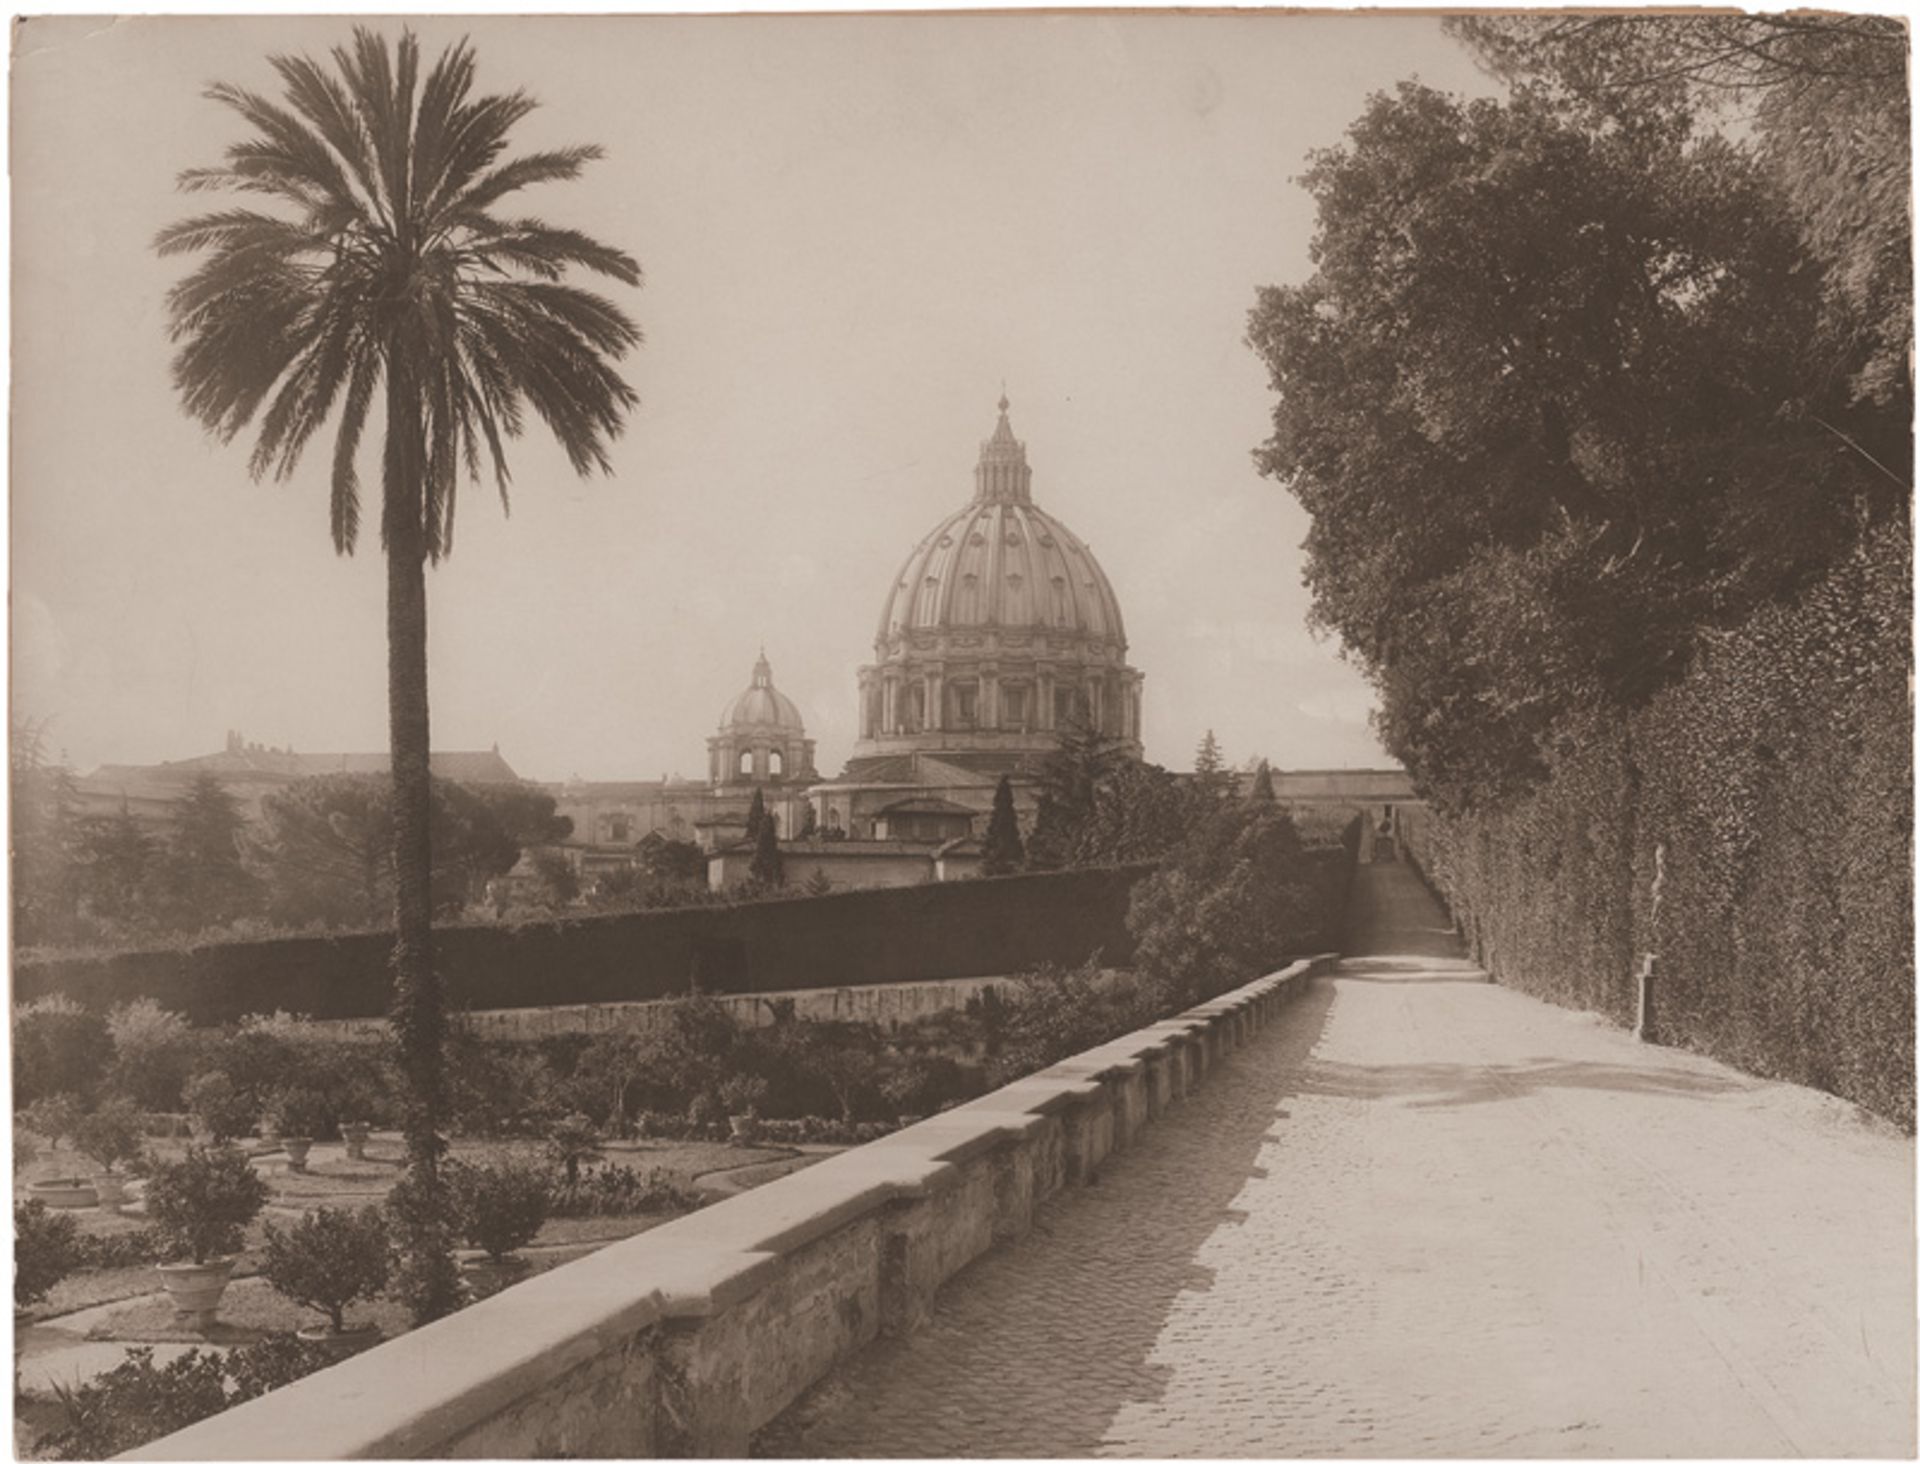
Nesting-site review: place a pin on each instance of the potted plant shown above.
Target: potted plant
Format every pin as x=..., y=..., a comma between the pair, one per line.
x=299, y=1114
x=356, y=1135
x=500, y=1207
x=110, y=1135
x=742, y=1095
x=329, y=1260
x=202, y=1205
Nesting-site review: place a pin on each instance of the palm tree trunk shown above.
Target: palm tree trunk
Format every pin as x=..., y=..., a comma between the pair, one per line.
x=428, y=1280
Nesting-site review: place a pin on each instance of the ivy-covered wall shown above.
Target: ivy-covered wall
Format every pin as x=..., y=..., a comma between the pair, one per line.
x=1771, y=794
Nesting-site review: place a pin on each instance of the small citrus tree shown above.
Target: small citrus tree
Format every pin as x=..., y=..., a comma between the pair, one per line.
x=329, y=1260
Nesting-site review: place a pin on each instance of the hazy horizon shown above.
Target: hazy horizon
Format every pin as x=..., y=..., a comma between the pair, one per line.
x=854, y=229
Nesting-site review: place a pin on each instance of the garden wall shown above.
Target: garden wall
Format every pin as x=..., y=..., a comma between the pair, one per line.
x=1767, y=800
x=861, y=938
x=688, y=1339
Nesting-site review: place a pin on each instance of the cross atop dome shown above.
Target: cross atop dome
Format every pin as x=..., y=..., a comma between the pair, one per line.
x=1003, y=475
x=762, y=670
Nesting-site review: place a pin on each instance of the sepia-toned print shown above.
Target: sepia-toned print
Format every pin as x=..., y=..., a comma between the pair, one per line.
x=963, y=734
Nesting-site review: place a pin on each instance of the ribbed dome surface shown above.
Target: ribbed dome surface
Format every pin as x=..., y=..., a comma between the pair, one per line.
x=1006, y=563
x=761, y=706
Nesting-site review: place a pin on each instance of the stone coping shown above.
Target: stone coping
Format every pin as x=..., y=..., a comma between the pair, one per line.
x=880, y=1227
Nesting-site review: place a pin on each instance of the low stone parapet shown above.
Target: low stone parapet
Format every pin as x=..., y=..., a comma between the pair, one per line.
x=688, y=1339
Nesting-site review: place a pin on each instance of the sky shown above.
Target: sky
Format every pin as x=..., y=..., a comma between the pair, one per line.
x=854, y=230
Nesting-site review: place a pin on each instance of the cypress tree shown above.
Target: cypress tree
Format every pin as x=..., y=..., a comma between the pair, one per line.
x=765, y=866
x=1262, y=785
x=1004, y=852
x=756, y=816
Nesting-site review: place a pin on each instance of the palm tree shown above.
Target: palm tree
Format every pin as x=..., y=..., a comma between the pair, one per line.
x=383, y=262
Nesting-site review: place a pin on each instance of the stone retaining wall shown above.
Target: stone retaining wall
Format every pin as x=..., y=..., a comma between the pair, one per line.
x=894, y=1005
x=688, y=1339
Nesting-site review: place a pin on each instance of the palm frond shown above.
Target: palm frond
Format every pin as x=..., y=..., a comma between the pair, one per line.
x=561, y=165
x=344, y=505
x=541, y=249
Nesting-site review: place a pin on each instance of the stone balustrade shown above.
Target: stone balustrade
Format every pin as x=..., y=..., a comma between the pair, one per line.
x=687, y=1339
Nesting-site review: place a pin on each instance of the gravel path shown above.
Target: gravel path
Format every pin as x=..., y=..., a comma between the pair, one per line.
x=1427, y=1216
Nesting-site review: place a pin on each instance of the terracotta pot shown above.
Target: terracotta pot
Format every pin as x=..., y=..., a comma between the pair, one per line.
x=112, y=1190
x=63, y=1194
x=196, y=1289
x=343, y=1343
x=297, y=1148
x=356, y=1136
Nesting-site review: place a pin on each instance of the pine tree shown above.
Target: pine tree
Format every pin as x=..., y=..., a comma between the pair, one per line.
x=809, y=823
x=1262, y=791
x=765, y=867
x=756, y=816
x=208, y=883
x=1213, y=781
x=118, y=864
x=1004, y=852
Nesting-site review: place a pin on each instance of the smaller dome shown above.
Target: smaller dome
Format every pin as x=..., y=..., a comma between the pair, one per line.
x=761, y=706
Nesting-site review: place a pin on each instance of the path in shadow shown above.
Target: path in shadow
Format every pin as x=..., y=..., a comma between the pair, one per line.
x=1451, y=1084
x=1035, y=1349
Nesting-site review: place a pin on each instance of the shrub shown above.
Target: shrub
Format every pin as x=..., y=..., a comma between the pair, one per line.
x=742, y=1094
x=153, y=1053
x=203, y=1203
x=616, y=1189
x=1234, y=898
x=138, y=1402
x=498, y=1087
x=301, y=1112
x=46, y=1250
x=224, y=1110
x=121, y=1248
x=500, y=1206
x=53, y=1117
x=256, y=1057
x=329, y=1260
x=110, y=1135
x=1056, y=1013
x=704, y=1114
x=924, y=1085
x=58, y=1047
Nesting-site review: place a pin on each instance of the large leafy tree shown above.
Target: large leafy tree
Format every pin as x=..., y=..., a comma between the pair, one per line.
x=325, y=845
x=381, y=268
x=1825, y=99
x=1549, y=396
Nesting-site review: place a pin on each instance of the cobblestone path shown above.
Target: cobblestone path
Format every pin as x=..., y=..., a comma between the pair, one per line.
x=1423, y=1215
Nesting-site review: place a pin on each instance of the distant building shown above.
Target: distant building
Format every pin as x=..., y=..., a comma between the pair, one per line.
x=761, y=746
x=250, y=772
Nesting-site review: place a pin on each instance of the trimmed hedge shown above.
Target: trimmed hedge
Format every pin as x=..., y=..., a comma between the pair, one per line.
x=930, y=932
x=1772, y=791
